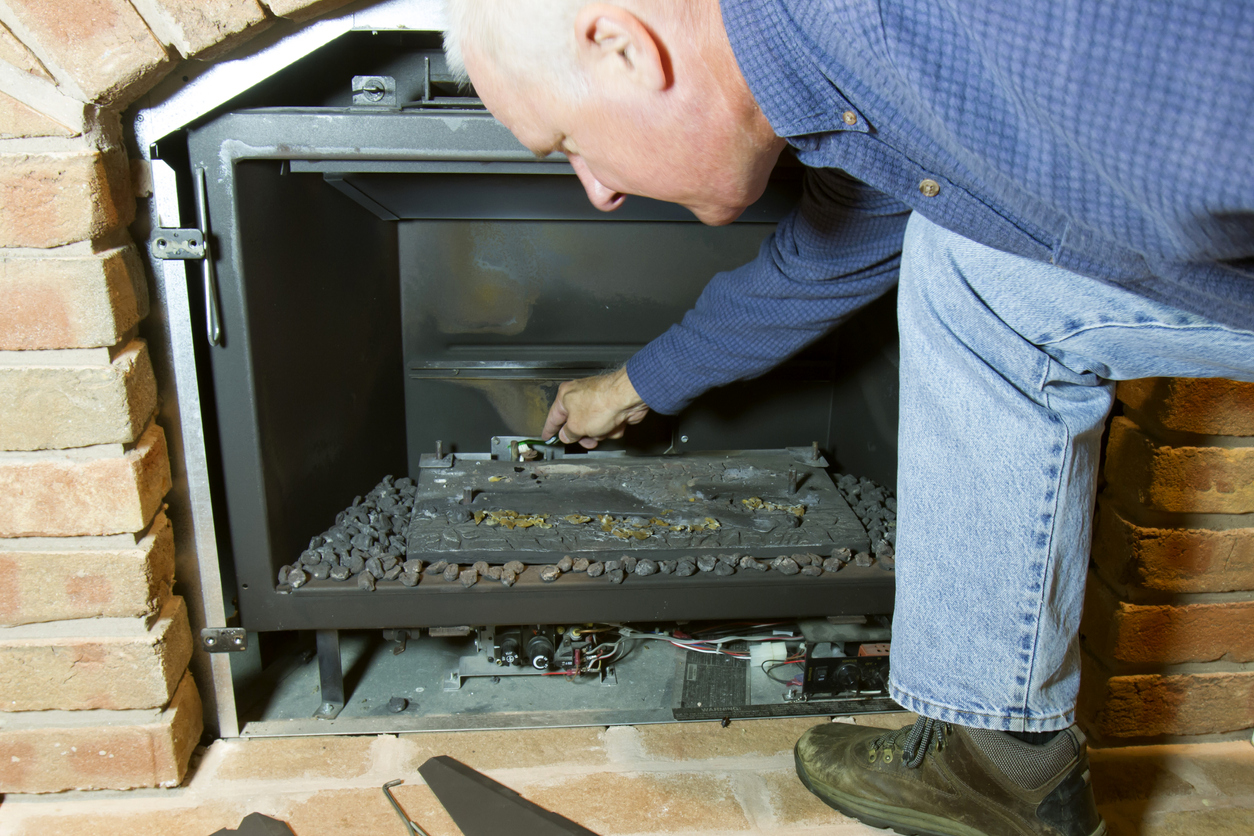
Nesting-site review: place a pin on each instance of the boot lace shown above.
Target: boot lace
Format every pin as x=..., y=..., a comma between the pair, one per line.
x=914, y=741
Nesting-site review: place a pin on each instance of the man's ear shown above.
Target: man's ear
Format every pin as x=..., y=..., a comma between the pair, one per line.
x=611, y=38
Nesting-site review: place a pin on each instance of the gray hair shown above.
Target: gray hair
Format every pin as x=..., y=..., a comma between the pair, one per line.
x=532, y=39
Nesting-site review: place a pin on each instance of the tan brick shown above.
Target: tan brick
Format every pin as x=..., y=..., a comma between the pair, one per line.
x=282, y=758
x=52, y=198
x=19, y=55
x=303, y=9
x=1205, y=480
x=1156, y=705
x=76, y=665
x=99, y=49
x=1125, y=774
x=46, y=407
x=206, y=817
x=701, y=741
x=203, y=28
x=364, y=812
x=1166, y=633
x=516, y=748
x=20, y=120
x=1209, y=406
x=669, y=802
x=54, y=579
x=1173, y=559
x=46, y=495
x=795, y=806
x=53, y=751
x=70, y=301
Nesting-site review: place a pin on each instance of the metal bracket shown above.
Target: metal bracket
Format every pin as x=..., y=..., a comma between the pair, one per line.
x=374, y=91
x=177, y=244
x=509, y=448
x=224, y=639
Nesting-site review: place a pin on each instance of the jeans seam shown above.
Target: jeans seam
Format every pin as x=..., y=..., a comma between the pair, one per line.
x=1137, y=326
x=1066, y=445
x=896, y=691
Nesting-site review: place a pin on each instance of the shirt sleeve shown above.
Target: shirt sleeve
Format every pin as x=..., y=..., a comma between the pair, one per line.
x=838, y=250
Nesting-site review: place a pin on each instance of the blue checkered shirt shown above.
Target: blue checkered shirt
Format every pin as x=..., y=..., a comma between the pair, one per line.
x=1114, y=138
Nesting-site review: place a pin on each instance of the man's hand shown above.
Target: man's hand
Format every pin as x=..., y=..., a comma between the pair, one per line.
x=594, y=408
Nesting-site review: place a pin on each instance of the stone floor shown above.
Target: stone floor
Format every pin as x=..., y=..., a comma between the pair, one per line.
x=695, y=779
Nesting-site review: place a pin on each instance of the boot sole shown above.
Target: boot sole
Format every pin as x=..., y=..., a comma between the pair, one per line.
x=900, y=820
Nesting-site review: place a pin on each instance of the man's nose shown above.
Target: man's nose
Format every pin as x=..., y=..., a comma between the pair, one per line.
x=602, y=196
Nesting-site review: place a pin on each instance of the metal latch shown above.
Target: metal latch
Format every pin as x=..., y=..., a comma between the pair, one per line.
x=374, y=91
x=224, y=639
x=177, y=244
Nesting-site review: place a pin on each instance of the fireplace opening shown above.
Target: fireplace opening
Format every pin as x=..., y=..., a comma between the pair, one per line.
x=395, y=290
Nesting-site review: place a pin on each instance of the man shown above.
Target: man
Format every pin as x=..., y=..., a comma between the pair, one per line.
x=1064, y=193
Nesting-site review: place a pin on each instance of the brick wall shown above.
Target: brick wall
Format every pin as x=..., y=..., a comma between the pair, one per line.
x=1168, y=629
x=94, y=647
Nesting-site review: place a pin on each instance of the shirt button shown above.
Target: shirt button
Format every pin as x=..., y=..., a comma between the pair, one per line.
x=850, y=117
x=929, y=187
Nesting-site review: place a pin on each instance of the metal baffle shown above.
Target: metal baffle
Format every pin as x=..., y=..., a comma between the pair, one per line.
x=330, y=675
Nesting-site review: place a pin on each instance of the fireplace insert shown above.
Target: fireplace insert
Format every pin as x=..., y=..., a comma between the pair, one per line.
x=391, y=291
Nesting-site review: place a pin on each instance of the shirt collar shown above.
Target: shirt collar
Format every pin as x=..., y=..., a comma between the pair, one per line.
x=786, y=78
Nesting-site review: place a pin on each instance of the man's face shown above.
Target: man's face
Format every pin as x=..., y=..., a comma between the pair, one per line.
x=619, y=145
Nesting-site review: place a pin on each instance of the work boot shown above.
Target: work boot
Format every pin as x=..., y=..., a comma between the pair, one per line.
x=938, y=779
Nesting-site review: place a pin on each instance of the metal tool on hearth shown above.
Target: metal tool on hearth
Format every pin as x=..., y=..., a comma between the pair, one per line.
x=410, y=824
x=482, y=807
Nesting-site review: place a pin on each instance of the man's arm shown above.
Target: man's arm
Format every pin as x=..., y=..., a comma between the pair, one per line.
x=837, y=251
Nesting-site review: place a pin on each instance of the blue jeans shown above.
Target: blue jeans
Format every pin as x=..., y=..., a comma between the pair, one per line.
x=1007, y=375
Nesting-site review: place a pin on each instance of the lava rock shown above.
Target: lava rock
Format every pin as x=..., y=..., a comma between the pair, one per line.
x=749, y=562
x=362, y=540
x=833, y=564
x=729, y=559
x=707, y=562
x=481, y=566
x=616, y=575
x=887, y=563
x=843, y=555
x=566, y=563
x=297, y=578
x=612, y=564
x=508, y=578
x=724, y=569
x=437, y=568
x=579, y=564
x=811, y=558
x=452, y=572
x=409, y=578
x=392, y=574
x=667, y=567
x=515, y=566
x=413, y=566
x=320, y=572
x=309, y=557
x=356, y=560
x=283, y=570
x=492, y=572
x=645, y=567
x=340, y=573
x=469, y=578
x=785, y=566
x=595, y=569
x=628, y=563
x=685, y=569
x=811, y=571
x=884, y=549
x=863, y=559
x=388, y=561
x=375, y=567
x=366, y=581
x=550, y=573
